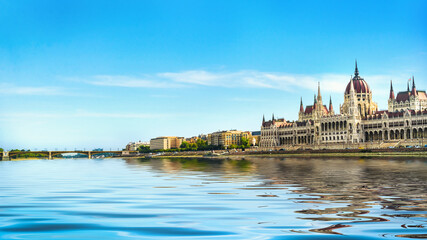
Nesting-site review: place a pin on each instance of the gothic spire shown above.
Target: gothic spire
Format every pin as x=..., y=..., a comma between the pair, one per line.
x=356, y=71
x=319, y=96
x=263, y=119
x=391, y=90
x=414, y=90
x=408, y=86
x=272, y=118
x=331, y=109
x=301, y=107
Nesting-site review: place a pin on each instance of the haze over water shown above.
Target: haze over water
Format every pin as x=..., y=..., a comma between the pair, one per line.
x=256, y=198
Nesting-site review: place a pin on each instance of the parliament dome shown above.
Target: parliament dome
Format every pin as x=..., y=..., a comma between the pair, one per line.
x=359, y=84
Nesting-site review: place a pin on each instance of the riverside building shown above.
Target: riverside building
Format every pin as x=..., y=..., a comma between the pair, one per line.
x=359, y=123
x=226, y=138
x=165, y=142
x=133, y=146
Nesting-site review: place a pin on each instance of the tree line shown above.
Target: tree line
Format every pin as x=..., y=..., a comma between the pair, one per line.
x=199, y=145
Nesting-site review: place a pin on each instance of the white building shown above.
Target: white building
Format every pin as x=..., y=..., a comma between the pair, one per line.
x=359, y=121
x=133, y=146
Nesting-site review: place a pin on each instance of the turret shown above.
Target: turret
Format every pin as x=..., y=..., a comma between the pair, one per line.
x=263, y=119
x=354, y=115
x=315, y=102
x=272, y=118
x=301, y=107
x=414, y=90
x=391, y=91
x=331, y=109
x=353, y=110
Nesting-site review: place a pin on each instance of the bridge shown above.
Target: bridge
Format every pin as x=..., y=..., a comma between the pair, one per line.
x=52, y=154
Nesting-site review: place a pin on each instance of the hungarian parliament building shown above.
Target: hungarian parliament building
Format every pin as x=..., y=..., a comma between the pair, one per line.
x=358, y=124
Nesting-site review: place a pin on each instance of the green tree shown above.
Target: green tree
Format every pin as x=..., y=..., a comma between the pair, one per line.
x=201, y=143
x=232, y=146
x=193, y=146
x=245, y=142
x=185, y=145
x=1, y=150
x=144, y=149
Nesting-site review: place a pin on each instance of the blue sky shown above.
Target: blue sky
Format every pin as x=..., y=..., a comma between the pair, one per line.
x=85, y=74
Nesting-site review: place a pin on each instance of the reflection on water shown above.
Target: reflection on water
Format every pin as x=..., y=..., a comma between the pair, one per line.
x=260, y=198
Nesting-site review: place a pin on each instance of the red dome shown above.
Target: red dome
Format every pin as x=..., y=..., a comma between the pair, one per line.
x=359, y=84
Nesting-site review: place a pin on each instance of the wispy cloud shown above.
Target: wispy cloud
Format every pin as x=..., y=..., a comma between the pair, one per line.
x=127, y=81
x=334, y=83
x=9, y=89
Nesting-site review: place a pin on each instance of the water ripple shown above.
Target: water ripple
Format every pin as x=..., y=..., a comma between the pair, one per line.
x=256, y=198
x=159, y=231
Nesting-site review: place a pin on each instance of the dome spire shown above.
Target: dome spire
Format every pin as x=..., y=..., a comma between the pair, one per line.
x=356, y=70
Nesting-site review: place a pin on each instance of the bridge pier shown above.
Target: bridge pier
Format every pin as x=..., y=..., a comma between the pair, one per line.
x=89, y=154
x=5, y=156
x=50, y=155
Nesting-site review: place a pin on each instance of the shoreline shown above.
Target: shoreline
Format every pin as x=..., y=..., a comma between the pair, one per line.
x=363, y=155
x=400, y=154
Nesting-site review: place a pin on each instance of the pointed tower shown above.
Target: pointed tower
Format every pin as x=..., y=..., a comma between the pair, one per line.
x=331, y=108
x=408, y=86
x=414, y=90
x=263, y=119
x=301, y=111
x=391, y=99
x=354, y=116
x=356, y=71
x=272, y=118
x=391, y=91
x=301, y=107
x=319, y=101
x=352, y=110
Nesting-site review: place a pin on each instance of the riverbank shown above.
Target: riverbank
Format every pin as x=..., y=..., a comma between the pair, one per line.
x=301, y=153
x=419, y=153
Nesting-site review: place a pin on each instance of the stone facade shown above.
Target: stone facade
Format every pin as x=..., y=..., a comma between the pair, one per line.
x=133, y=146
x=358, y=124
x=165, y=142
x=226, y=138
x=411, y=99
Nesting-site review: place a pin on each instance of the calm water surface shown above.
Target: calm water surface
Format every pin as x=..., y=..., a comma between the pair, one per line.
x=256, y=198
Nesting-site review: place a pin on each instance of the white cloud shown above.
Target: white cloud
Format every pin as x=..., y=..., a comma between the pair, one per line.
x=8, y=89
x=127, y=81
x=330, y=82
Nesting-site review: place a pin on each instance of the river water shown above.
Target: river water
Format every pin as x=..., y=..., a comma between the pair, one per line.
x=253, y=198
